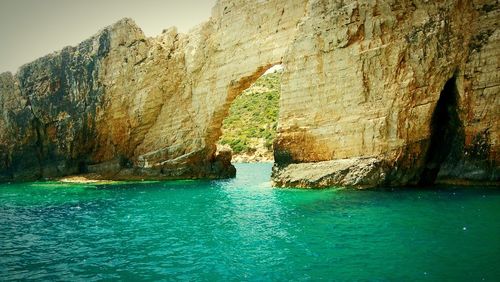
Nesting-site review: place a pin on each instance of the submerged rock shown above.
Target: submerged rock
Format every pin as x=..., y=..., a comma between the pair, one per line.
x=360, y=87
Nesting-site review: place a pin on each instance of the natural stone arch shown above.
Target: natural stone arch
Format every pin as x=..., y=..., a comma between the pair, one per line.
x=213, y=62
x=234, y=90
x=361, y=82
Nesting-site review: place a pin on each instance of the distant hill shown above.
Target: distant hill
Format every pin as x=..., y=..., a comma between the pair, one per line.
x=250, y=127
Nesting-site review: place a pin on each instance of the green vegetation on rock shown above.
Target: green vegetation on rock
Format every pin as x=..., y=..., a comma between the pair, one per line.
x=253, y=116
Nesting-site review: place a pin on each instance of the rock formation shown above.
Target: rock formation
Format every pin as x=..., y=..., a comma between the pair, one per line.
x=383, y=92
x=371, y=111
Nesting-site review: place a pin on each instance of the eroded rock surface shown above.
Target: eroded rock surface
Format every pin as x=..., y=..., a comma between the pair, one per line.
x=371, y=86
x=360, y=93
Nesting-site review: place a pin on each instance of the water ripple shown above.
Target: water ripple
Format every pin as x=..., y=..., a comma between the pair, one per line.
x=242, y=229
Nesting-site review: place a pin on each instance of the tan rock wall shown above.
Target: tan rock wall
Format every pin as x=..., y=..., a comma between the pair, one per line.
x=359, y=89
x=379, y=72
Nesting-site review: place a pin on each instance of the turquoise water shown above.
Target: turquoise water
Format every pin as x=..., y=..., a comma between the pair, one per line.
x=241, y=229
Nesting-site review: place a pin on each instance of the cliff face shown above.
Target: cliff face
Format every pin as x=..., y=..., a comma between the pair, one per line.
x=373, y=93
x=400, y=92
x=47, y=124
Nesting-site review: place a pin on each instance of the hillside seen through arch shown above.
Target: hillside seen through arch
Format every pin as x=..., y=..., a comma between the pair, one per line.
x=250, y=127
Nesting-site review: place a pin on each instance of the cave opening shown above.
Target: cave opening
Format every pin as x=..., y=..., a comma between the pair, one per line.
x=82, y=167
x=250, y=127
x=445, y=128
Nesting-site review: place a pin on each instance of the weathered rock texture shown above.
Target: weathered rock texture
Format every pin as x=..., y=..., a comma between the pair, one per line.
x=387, y=92
x=366, y=87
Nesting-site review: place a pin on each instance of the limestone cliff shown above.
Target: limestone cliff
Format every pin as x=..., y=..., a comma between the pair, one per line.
x=91, y=109
x=398, y=92
x=384, y=92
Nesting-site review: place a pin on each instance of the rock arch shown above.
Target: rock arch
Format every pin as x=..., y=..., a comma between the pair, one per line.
x=358, y=93
x=235, y=88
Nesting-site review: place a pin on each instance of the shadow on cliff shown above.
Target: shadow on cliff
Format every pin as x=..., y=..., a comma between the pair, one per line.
x=447, y=134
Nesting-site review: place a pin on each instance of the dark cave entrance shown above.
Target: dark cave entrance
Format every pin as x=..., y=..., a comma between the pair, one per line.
x=82, y=167
x=446, y=128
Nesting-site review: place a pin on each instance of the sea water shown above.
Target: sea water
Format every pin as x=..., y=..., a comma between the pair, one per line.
x=242, y=229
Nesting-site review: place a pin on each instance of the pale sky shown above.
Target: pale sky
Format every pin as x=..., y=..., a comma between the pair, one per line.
x=30, y=29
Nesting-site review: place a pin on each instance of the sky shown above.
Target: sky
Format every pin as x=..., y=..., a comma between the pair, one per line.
x=30, y=29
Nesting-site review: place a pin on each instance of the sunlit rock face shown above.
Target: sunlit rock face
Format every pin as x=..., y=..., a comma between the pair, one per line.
x=363, y=80
x=124, y=106
x=363, y=99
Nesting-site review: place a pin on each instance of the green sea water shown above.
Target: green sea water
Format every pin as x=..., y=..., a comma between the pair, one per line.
x=243, y=230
